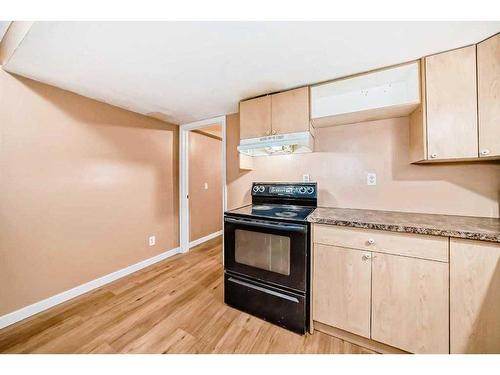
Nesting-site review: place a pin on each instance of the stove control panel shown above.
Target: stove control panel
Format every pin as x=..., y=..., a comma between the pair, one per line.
x=305, y=189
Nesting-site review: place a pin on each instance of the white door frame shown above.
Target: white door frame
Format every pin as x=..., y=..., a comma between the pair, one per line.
x=184, y=174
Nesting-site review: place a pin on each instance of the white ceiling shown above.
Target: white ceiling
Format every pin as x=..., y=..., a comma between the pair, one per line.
x=4, y=25
x=186, y=71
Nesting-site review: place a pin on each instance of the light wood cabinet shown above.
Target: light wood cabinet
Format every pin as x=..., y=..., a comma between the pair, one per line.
x=457, y=119
x=474, y=296
x=290, y=111
x=451, y=104
x=392, y=288
x=488, y=85
x=255, y=117
x=342, y=289
x=410, y=303
x=281, y=113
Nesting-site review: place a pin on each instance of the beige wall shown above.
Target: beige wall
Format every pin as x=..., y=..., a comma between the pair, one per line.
x=205, y=165
x=346, y=153
x=82, y=186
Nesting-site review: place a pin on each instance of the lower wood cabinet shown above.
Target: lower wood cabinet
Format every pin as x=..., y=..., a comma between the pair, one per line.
x=474, y=296
x=417, y=293
x=342, y=288
x=410, y=303
x=396, y=294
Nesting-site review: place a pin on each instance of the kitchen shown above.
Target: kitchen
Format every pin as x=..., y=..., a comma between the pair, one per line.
x=372, y=268
x=361, y=210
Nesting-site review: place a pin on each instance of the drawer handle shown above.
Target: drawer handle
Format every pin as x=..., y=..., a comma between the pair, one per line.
x=434, y=155
x=366, y=257
x=370, y=241
x=485, y=152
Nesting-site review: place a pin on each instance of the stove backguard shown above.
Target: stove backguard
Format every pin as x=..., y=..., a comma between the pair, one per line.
x=296, y=193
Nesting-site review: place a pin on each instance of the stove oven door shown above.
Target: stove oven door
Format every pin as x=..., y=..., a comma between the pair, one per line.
x=268, y=251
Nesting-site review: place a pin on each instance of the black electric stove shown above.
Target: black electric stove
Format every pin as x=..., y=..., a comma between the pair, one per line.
x=267, y=254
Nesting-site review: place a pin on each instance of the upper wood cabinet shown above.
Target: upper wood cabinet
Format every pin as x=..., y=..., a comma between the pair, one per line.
x=458, y=118
x=290, y=111
x=342, y=288
x=474, y=296
x=410, y=303
x=488, y=85
x=255, y=117
x=281, y=113
x=452, y=104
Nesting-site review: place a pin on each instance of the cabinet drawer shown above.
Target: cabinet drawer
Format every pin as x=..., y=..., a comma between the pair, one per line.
x=407, y=244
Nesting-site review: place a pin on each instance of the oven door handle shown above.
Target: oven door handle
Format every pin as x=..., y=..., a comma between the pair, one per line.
x=264, y=290
x=259, y=224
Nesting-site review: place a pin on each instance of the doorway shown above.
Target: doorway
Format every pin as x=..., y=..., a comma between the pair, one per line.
x=202, y=149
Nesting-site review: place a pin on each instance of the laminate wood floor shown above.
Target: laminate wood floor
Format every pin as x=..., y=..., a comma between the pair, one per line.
x=174, y=306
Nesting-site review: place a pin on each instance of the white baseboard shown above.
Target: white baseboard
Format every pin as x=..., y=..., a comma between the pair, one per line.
x=47, y=303
x=205, y=239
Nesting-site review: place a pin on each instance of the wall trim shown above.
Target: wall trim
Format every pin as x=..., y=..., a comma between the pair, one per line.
x=205, y=239
x=57, y=299
x=184, y=130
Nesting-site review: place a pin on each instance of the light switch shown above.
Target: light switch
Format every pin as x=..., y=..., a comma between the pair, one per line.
x=306, y=178
x=371, y=179
x=206, y=185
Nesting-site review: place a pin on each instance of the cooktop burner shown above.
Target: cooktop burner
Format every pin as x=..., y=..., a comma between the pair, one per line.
x=275, y=211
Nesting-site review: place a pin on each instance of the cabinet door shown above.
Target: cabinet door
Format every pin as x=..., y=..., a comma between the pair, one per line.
x=410, y=303
x=290, y=111
x=341, y=288
x=488, y=85
x=474, y=296
x=452, y=104
x=255, y=117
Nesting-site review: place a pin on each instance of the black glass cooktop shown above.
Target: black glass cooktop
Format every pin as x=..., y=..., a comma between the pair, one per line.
x=274, y=211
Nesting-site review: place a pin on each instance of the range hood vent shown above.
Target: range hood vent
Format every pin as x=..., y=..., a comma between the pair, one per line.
x=292, y=143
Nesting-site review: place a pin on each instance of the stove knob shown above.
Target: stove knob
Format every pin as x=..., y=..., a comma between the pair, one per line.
x=302, y=190
x=255, y=189
x=261, y=189
x=310, y=190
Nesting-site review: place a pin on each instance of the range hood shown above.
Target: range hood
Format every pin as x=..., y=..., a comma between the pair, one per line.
x=292, y=143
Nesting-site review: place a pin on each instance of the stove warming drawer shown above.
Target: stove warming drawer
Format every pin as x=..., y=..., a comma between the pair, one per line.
x=274, y=305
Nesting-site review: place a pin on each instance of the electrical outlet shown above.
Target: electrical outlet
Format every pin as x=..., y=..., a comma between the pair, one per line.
x=152, y=240
x=306, y=178
x=371, y=179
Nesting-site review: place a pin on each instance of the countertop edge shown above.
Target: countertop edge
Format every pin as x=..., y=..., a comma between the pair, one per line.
x=431, y=231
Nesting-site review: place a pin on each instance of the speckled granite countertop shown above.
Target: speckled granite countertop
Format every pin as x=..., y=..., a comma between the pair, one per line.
x=474, y=228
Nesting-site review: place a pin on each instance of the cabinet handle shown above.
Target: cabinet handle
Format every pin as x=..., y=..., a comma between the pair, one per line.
x=268, y=132
x=370, y=241
x=366, y=257
x=434, y=155
x=274, y=131
x=485, y=151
